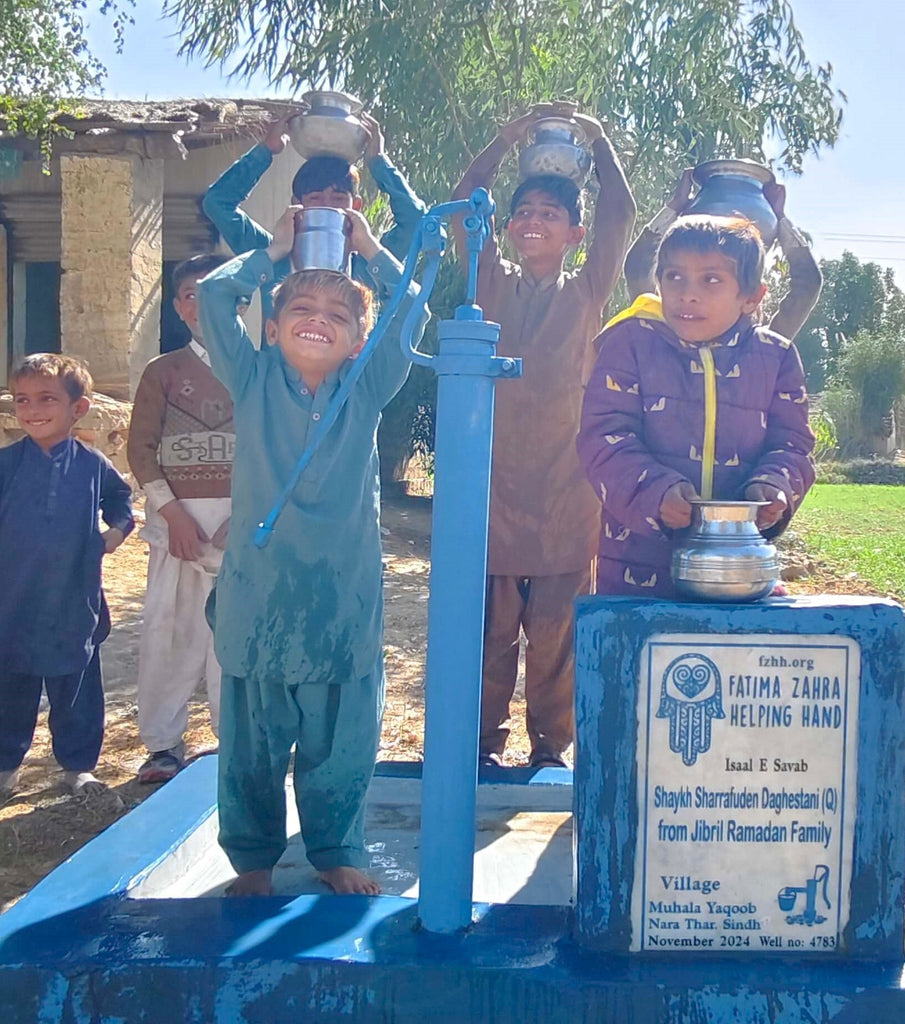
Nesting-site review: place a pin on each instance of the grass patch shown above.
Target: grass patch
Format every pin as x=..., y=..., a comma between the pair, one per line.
x=858, y=528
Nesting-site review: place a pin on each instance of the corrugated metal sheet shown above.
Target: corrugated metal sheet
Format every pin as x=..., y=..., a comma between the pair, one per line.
x=33, y=225
x=186, y=230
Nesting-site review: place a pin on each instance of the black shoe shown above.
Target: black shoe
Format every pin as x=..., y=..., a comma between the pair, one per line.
x=490, y=761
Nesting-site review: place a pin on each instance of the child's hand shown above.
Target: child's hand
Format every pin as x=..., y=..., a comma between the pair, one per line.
x=276, y=138
x=283, y=235
x=778, y=505
x=221, y=536
x=675, y=508
x=186, y=536
x=516, y=129
x=775, y=194
x=112, y=539
x=361, y=237
x=376, y=141
x=593, y=129
x=682, y=195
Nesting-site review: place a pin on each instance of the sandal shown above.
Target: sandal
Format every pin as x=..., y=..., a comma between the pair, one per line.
x=544, y=759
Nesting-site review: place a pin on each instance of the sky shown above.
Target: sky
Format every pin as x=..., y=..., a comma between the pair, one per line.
x=850, y=197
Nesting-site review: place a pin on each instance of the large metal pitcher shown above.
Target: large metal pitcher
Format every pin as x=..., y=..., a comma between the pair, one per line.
x=329, y=127
x=321, y=240
x=733, y=188
x=558, y=146
x=722, y=556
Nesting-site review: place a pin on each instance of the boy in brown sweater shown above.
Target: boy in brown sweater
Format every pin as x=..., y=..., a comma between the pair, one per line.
x=181, y=442
x=544, y=516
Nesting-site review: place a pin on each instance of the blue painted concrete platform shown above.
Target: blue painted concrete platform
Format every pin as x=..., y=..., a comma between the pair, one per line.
x=80, y=950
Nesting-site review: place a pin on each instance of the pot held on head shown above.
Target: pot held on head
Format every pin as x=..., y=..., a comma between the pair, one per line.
x=321, y=240
x=558, y=146
x=736, y=188
x=329, y=127
x=722, y=556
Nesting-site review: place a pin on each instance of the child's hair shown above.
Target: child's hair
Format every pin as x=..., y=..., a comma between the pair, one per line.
x=72, y=373
x=358, y=298
x=322, y=172
x=733, y=237
x=563, y=191
x=196, y=267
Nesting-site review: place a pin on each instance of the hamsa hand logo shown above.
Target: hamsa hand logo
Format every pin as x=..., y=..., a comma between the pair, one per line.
x=690, y=697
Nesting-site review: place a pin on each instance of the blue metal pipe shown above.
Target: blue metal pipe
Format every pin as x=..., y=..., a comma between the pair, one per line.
x=455, y=636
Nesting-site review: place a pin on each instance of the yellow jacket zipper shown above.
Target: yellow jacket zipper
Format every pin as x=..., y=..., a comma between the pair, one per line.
x=709, y=454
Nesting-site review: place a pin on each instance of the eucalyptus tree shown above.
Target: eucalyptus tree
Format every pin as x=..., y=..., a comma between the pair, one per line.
x=679, y=81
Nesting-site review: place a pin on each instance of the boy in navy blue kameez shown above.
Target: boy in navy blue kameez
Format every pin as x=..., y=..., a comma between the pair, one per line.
x=298, y=624
x=52, y=611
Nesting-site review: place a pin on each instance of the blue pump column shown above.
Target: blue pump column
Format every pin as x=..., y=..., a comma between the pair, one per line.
x=466, y=367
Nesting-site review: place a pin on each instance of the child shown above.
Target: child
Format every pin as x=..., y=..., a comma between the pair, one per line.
x=805, y=279
x=298, y=624
x=692, y=399
x=181, y=442
x=53, y=616
x=320, y=181
x=543, y=516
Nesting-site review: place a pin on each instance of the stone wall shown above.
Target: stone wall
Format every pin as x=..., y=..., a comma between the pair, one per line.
x=112, y=219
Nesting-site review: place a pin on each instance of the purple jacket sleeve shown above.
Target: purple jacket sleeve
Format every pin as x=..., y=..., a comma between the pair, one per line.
x=786, y=462
x=621, y=469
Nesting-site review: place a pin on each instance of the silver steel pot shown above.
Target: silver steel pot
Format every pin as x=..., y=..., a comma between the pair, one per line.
x=557, y=147
x=722, y=556
x=321, y=242
x=329, y=127
x=736, y=188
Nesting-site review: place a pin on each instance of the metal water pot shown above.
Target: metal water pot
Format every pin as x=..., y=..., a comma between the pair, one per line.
x=722, y=556
x=321, y=240
x=329, y=127
x=558, y=146
x=736, y=188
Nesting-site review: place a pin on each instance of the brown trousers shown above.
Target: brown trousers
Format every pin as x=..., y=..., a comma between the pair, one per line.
x=542, y=606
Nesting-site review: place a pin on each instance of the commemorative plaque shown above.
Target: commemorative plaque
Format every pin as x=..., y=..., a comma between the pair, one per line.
x=747, y=761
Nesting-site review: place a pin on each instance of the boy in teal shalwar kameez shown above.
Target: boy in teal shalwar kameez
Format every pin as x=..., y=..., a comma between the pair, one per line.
x=298, y=624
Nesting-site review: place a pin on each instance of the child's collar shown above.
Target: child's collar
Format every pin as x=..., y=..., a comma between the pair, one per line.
x=646, y=306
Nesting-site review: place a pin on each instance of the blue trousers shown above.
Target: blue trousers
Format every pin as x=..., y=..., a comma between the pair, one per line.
x=335, y=729
x=76, y=716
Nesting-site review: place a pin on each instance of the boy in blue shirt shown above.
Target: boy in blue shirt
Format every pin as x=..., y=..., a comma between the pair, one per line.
x=320, y=181
x=53, y=616
x=298, y=624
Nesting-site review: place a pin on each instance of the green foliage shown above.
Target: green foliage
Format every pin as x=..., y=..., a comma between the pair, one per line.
x=863, y=471
x=858, y=530
x=872, y=365
x=856, y=297
x=825, y=436
x=46, y=62
x=679, y=80
x=843, y=407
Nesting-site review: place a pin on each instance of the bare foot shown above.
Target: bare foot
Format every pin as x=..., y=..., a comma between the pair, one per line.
x=252, y=883
x=83, y=783
x=344, y=881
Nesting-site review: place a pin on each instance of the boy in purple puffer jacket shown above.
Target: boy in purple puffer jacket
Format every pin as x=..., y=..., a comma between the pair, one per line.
x=689, y=398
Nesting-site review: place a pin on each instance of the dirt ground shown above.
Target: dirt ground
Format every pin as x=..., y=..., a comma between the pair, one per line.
x=41, y=825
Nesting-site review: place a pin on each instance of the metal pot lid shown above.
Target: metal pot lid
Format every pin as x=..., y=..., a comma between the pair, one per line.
x=745, y=168
x=553, y=123
x=334, y=100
